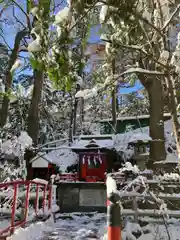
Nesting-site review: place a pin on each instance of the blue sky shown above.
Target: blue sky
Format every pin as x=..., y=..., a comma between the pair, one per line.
x=10, y=31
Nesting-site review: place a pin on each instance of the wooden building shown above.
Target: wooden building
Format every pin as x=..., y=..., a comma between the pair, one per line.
x=41, y=167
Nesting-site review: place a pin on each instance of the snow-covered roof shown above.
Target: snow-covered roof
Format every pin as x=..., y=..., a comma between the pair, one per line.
x=140, y=137
x=102, y=143
x=61, y=157
x=97, y=136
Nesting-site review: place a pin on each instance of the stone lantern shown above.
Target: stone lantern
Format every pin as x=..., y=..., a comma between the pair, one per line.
x=140, y=143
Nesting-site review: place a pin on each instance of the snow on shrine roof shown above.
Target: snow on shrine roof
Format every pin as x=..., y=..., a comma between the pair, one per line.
x=101, y=143
x=98, y=136
x=61, y=157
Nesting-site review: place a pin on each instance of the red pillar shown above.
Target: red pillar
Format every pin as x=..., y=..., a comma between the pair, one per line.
x=114, y=221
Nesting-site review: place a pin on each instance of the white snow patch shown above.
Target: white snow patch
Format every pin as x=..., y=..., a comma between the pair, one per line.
x=129, y=167
x=111, y=185
x=34, y=231
x=17, y=145
x=103, y=143
x=38, y=180
x=62, y=158
x=140, y=137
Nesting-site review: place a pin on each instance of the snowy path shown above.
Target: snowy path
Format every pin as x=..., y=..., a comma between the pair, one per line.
x=78, y=226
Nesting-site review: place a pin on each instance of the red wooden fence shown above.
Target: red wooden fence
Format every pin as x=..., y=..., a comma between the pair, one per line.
x=15, y=185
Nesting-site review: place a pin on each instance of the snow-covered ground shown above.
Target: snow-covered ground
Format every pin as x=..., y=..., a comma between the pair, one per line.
x=89, y=227
x=80, y=226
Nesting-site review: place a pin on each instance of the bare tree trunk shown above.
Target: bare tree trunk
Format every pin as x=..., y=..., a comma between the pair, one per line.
x=71, y=124
x=156, y=121
x=33, y=117
x=8, y=81
x=114, y=120
x=81, y=114
x=72, y=127
x=117, y=100
x=75, y=110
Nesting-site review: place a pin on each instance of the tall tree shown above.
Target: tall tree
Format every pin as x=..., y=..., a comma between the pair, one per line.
x=41, y=13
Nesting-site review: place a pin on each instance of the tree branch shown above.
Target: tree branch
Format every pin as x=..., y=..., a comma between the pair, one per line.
x=138, y=71
x=148, y=23
x=171, y=17
x=137, y=48
x=142, y=71
x=17, y=20
x=27, y=16
x=18, y=38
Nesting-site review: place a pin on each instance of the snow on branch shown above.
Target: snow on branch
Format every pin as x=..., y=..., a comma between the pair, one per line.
x=89, y=93
x=143, y=71
x=139, y=48
x=134, y=47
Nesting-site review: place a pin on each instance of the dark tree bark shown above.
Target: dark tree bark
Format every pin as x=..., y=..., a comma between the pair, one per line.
x=156, y=121
x=113, y=94
x=33, y=116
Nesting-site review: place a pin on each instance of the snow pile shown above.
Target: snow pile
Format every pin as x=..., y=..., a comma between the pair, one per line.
x=34, y=231
x=133, y=231
x=47, y=212
x=9, y=172
x=128, y=167
x=150, y=232
x=42, y=181
x=16, y=145
x=79, y=226
x=170, y=177
x=62, y=158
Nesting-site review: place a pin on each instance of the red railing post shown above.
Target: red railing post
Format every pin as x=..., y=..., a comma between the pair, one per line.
x=114, y=221
x=113, y=211
x=27, y=201
x=14, y=205
x=44, y=198
x=37, y=199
